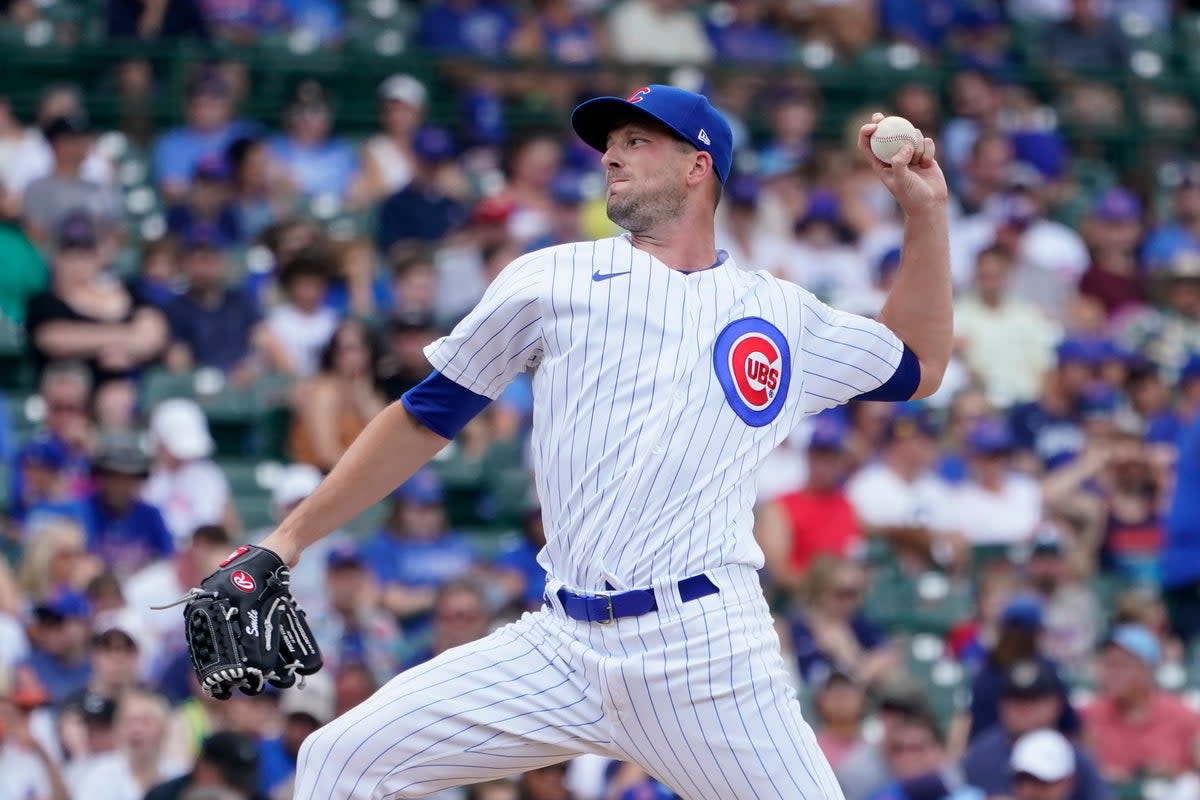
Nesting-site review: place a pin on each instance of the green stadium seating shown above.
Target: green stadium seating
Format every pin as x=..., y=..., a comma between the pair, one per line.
x=15, y=372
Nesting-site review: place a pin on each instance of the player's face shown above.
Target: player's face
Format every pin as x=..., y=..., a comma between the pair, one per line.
x=646, y=168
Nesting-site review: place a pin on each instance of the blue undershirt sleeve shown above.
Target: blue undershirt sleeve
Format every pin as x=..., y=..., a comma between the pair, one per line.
x=903, y=383
x=442, y=405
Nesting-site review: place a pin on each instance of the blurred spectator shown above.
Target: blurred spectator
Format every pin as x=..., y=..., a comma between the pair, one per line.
x=1043, y=767
x=321, y=20
x=29, y=770
x=822, y=258
x=48, y=202
x=165, y=580
x=831, y=632
x=209, y=129
x=336, y=403
x=137, y=764
x=974, y=103
x=793, y=119
x=1030, y=701
x=389, y=157
x=841, y=705
x=741, y=233
x=207, y=207
x=414, y=552
x=522, y=575
x=157, y=19
x=1180, y=559
x=216, y=325
x=87, y=315
x=302, y=323
x=124, y=531
x=544, y=783
x=460, y=615
x=184, y=484
x=560, y=31
x=405, y=364
x=867, y=767
x=1182, y=232
x=664, y=32
x=1134, y=728
x=1085, y=42
x=414, y=282
x=970, y=639
x=1113, y=231
x=64, y=389
x=55, y=560
x=915, y=753
x=355, y=630
x=25, y=273
x=158, y=280
x=816, y=519
x=565, y=222
x=1007, y=343
x=462, y=27
x=114, y=668
x=240, y=22
x=996, y=505
x=426, y=208
x=316, y=163
x=60, y=640
x=228, y=761
x=530, y=163
x=25, y=155
x=1049, y=429
x=501, y=789
x=746, y=35
x=260, y=191
x=900, y=499
x=43, y=483
x=304, y=711
x=1072, y=617
x=1167, y=333
x=1015, y=656
x=353, y=684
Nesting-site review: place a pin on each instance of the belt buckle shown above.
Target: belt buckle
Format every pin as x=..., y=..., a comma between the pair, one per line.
x=611, y=616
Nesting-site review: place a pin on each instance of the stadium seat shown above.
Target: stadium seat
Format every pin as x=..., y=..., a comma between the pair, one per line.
x=15, y=372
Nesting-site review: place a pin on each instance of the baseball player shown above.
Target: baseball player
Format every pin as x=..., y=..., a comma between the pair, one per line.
x=662, y=376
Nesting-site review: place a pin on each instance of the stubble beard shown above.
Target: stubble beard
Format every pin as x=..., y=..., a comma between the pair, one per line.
x=639, y=212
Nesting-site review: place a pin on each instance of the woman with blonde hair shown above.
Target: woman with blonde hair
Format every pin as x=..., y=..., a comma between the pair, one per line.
x=56, y=558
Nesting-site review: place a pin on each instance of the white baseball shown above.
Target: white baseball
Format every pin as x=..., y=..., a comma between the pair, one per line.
x=891, y=134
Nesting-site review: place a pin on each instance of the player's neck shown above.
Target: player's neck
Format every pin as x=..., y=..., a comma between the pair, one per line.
x=681, y=245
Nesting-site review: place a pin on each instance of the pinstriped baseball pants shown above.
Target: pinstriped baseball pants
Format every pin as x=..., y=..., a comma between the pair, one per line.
x=696, y=693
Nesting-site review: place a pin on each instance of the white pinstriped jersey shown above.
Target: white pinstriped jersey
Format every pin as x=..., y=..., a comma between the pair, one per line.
x=657, y=395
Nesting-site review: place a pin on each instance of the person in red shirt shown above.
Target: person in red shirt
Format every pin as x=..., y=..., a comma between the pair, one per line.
x=814, y=520
x=1134, y=728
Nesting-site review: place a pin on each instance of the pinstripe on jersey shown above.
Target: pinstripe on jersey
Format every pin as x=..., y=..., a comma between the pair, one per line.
x=644, y=469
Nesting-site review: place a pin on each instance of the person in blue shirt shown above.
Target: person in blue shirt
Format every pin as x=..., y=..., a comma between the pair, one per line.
x=207, y=205
x=44, y=482
x=59, y=639
x=1050, y=428
x=422, y=211
x=317, y=163
x=126, y=533
x=518, y=565
x=748, y=36
x=1180, y=561
x=209, y=128
x=415, y=553
x=1182, y=233
x=482, y=28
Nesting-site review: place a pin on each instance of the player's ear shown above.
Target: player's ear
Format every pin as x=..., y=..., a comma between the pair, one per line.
x=701, y=168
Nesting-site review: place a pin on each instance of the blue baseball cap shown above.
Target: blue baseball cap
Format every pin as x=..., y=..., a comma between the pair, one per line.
x=65, y=604
x=1117, y=205
x=567, y=188
x=45, y=451
x=889, y=262
x=1079, y=350
x=1022, y=611
x=423, y=489
x=1138, y=641
x=343, y=555
x=828, y=435
x=434, y=143
x=689, y=115
x=1099, y=402
x=990, y=437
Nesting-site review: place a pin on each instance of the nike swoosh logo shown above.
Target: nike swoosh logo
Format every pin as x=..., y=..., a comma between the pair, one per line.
x=596, y=276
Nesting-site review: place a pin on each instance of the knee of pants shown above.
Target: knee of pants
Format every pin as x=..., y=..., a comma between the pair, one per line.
x=324, y=772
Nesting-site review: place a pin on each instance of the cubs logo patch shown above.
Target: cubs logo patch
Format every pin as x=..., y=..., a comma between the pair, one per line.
x=636, y=96
x=242, y=580
x=754, y=367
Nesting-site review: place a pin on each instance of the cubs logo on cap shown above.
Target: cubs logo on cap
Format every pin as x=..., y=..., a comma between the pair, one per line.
x=754, y=367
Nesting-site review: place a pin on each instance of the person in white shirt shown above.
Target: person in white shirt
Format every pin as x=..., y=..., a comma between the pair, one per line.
x=388, y=158
x=184, y=484
x=303, y=324
x=741, y=233
x=1007, y=343
x=658, y=32
x=823, y=258
x=138, y=763
x=901, y=499
x=997, y=505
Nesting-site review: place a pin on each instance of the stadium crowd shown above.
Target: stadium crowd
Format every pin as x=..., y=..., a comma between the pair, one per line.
x=994, y=593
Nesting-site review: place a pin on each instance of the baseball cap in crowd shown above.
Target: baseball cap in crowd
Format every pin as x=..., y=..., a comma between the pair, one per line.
x=1077, y=350
x=1099, y=402
x=74, y=124
x=743, y=190
x=202, y=235
x=121, y=455
x=1044, y=754
x=45, y=451
x=903, y=695
x=64, y=604
x=1046, y=541
x=234, y=756
x=412, y=322
x=567, y=189
x=422, y=489
x=315, y=700
x=889, y=262
x=403, y=88
x=434, y=143
x=1183, y=265
x=296, y=482
x=1022, y=176
x=1137, y=640
x=990, y=437
x=209, y=81
x=827, y=435
x=689, y=115
x=179, y=426
x=96, y=709
x=909, y=421
x=211, y=167
x=114, y=638
x=1022, y=611
x=77, y=231
x=1117, y=205
x=824, y=207
x=344, y=554
x=1029, y=680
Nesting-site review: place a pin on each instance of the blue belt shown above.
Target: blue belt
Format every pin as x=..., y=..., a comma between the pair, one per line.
x=604, y=608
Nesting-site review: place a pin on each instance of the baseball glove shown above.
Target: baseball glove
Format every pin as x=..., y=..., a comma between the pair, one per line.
x=244, y=629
